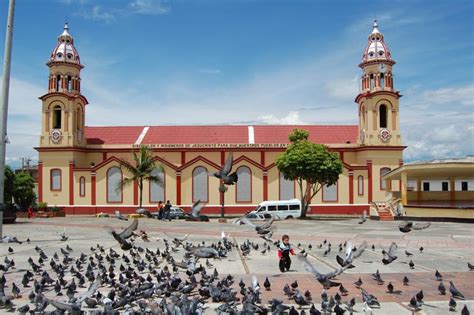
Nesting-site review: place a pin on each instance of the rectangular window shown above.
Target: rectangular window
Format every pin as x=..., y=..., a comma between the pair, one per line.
x=82, y=187
x=360, y=185
x=330, y=193
x=445, y=186
x=282, y=207
x=271, y=208
x=464, y=186
x=55, y=179
x=294, y=207
x=426, y=186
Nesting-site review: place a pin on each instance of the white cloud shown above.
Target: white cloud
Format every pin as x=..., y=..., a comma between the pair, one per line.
x=292, y=118
x=148, y=7
x=463, y=95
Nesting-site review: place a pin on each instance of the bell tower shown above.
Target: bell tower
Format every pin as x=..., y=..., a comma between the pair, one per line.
x=378, y=100
x=63, y=106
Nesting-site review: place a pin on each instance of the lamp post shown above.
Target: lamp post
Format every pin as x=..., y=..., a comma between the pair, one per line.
x=222, y=190
x=4, y=105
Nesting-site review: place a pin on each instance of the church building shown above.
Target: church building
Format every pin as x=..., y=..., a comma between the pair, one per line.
x=79, y=167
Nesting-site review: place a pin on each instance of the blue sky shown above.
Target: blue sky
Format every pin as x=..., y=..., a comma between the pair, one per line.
x=223, y=61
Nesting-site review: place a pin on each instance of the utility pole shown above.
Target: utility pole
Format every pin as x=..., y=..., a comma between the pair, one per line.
x=7, y=58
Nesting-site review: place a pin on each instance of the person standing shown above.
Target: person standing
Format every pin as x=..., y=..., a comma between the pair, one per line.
x=167, y=210
x=160, y=210
x=284, y=251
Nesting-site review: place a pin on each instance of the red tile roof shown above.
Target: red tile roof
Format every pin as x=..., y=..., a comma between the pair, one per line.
x=233, y=134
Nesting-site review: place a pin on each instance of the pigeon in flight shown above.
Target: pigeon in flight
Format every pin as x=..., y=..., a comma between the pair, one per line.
x=120, y=216
x=194, y=214
x=363, y=217
x=351, y=254
x=323, y=279
x=408, y=226
x=390, y=255
x=125, y=234
x=224, y=173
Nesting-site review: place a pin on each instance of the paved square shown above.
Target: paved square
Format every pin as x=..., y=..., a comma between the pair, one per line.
x=447, y=248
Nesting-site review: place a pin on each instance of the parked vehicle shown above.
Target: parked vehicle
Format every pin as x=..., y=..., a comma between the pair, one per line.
x=284, y=209
x=175, y=213
x=9, y=213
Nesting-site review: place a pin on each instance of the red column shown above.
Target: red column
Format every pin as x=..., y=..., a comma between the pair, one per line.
x=40, y=181
x=265, y=185
x=135, y=193
x=93, y=190
x=178, y=188
x=369, y=175
x=222, y=158
x=104, y=156
x=351, y=187
x=183, y=157
x=71, y=183
x=262, y=158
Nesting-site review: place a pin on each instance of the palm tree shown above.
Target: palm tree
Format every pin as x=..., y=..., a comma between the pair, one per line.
x=141, y=170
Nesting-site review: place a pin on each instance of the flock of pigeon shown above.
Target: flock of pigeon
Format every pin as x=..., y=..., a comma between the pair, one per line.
x=141, y=280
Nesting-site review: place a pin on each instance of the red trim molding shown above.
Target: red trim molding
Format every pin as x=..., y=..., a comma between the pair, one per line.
x=71, y=183
x=178, y=188
x=369, y=182
x=93, y=188
x=40, y=181
x=400, y=164
x=351, y=187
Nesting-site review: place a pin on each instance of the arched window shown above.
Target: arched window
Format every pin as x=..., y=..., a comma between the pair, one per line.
x=383, y=171
x=58, y=82
x=78, y=118
x=82, y=186
x=382, y=81
x=55, y=180
x=200, y=184
x=287, y=188
x=114, y=177
x=360, y=185
x=362, y=114
x=157, y=190
x=243, y=187
x=57, y=119
x=69, y=84
x=330, y=193
x=383, y=116
x=372, y=81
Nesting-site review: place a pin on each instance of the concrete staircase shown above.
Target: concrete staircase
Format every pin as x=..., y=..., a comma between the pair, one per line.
x=383, y=211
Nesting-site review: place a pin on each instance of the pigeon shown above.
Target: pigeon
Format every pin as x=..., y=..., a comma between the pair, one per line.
x=363, y=217
x=442, y=288
x=63, y=235
x=196, y=208
x=411, y=264
x=470, y=266
x=438, y=276
x=358, y=283
x=455, y=292
x=351, y=254
x=390, y=287
x=120, y=216
x=267, y=284
x=419, y=296
x=408, y=226
x=125, y=234
x=368, y=298
x=9, y=239
x=465, y=310
x=415, y=304
x=421, y=249
x=452, y=305
x=408, y=253
x=224, y=173
x=262, y=229
x=405, y=280
x=390, y=255
x=10, y=250
x=343, y=290
x=323, y=279
x=24, y=309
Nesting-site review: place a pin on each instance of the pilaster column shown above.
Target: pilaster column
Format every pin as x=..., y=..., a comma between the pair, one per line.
x=93, y=188
x=351, y=186
x=71, y=183
x=370, y=179
x=40, y=181
x=403, y=179
x=178, y=188
x=452, y=189
x=265, y=185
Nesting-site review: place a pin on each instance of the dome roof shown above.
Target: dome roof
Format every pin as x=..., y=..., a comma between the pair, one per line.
x=376, y=48
x=65, y=50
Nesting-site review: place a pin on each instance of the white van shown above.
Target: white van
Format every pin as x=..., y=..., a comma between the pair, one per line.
x=284, y=209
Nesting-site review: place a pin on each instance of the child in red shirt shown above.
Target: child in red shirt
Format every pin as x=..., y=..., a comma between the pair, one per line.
x=284, y=251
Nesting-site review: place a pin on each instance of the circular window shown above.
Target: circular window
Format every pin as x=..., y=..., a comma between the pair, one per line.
x=59, y=55
x=371, y=54
x=69, y=56
x=373, y=38
x=67, y=41
x=381, y=53
x=378, y=38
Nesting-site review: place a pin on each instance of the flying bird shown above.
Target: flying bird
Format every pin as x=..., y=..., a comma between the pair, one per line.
x=408, y=226
x=363, y=217
x=351, y=254
x=224, y=173
x=194, y=214
x=390, y=255
x=120, y=216
x=125, y=234
x=323, y=279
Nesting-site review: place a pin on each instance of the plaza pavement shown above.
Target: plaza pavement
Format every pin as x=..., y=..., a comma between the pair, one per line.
x=447, y=248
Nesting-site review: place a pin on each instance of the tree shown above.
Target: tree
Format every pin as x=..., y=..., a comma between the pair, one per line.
x=24, y=193
x=141, y=170
x=9, y=185
x=311, y=165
